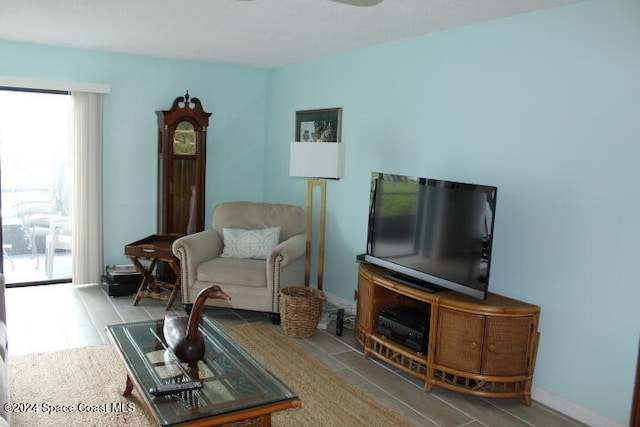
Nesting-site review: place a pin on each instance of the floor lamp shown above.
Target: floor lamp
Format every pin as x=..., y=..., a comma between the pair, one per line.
x=317, y=161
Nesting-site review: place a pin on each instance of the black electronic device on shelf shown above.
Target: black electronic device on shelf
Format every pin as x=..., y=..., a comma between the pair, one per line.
x=407, y=326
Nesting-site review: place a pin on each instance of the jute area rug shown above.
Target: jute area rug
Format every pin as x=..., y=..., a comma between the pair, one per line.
x=91, y=380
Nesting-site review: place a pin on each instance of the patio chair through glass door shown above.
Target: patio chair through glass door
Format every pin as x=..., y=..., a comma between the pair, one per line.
x=35, y=187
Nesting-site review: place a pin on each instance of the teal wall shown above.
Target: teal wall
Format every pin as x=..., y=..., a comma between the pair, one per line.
x=140, y=86
x=543, y=105
x=547, y=107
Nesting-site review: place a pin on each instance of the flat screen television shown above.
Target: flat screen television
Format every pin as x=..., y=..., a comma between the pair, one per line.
x=432, y=234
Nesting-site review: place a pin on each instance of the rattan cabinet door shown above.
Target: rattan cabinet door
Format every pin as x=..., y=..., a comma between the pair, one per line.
x=506, y=345
x=459, y=343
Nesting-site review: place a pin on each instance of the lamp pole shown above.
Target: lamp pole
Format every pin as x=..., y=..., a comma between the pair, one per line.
x=311, y=184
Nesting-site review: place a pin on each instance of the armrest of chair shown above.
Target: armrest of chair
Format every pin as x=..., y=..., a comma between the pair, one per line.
x=286, y=263
x=194, y=249
x=288, y=251
x=58, y=224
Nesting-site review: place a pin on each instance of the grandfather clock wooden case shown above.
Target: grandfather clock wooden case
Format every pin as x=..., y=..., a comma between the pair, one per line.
x=182, y=135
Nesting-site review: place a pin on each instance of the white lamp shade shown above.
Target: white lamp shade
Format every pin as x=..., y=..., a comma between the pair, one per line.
x=317, y=160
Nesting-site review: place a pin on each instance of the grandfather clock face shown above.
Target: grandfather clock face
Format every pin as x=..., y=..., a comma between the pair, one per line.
x=184, y=139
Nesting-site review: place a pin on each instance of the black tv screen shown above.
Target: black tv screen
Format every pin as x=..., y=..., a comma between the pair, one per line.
x=432, y=234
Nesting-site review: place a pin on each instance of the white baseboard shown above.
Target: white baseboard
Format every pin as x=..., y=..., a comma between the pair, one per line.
x=570, y=409
x=544, y=397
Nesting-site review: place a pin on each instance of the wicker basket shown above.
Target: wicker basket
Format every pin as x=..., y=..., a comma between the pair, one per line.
x=300, y=310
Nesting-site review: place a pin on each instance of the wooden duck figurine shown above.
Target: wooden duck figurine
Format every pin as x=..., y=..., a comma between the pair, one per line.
x=181, y=332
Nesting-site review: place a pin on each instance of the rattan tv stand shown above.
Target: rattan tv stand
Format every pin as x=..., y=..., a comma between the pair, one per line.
x=485, y=348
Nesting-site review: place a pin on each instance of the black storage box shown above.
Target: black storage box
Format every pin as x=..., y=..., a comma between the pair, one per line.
x=121, y=280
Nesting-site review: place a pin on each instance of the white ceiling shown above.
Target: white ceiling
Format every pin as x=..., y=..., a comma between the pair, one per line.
x=258, y=33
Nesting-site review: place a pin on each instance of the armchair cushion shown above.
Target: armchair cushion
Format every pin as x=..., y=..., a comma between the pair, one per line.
x=254, y=244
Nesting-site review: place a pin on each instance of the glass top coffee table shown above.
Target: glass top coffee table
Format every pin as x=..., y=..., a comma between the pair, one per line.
x=236, y=389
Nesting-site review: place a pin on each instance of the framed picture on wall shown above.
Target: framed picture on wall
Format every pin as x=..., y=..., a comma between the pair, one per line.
x=319, y=125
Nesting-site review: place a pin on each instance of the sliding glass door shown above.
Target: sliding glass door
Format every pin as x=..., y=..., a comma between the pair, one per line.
x=35, y=185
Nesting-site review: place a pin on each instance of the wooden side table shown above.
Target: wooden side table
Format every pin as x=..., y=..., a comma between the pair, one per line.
x=156, y=248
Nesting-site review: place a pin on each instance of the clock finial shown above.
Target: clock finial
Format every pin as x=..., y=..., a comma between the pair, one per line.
x=186, y=98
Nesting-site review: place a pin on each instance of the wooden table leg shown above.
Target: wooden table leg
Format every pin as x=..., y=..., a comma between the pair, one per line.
x=174, y=293
x=176, y=286
x=128, y=388
x=147, y=279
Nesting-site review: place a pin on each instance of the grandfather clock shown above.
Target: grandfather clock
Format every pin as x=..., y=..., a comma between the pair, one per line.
x=182, y=136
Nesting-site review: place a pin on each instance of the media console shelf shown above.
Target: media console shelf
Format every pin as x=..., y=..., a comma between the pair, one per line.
x=485, y=348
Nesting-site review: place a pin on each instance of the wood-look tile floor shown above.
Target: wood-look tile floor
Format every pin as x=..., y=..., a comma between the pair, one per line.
x=55, y=317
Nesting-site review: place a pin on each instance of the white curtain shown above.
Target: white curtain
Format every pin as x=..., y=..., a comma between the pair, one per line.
x=86, y=159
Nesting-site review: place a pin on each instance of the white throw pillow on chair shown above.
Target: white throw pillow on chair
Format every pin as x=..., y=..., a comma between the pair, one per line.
x=254, y=244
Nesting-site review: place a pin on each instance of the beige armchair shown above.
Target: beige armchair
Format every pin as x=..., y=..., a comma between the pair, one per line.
x=244, y=255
